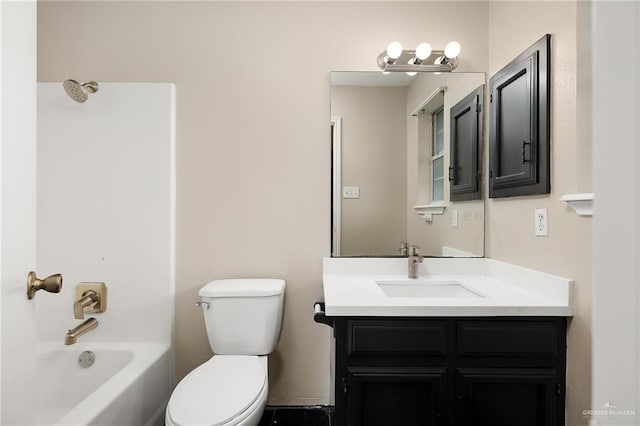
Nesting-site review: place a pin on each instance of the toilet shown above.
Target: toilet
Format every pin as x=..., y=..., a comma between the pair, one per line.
x=243, y=318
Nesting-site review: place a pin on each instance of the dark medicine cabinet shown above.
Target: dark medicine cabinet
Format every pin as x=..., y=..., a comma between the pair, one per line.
x=466, y=150
x=519, y=132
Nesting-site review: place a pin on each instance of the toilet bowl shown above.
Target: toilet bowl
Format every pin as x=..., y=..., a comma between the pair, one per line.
x=243, y=318
x=227, y=390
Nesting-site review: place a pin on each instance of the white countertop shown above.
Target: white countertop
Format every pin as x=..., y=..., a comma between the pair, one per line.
x=350, y=289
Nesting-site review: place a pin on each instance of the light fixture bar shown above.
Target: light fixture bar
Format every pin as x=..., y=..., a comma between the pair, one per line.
x=436, y=62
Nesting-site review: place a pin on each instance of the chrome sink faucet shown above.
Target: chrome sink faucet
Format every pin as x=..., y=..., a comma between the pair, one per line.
x=414, y=260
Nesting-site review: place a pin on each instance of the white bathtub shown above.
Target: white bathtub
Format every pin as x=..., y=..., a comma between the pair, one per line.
x=128, y=385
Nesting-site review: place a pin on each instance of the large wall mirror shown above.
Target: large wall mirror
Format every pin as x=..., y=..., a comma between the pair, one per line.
x=407, y=163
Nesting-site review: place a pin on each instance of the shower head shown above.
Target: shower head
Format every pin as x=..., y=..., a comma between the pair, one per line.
x=79, y=92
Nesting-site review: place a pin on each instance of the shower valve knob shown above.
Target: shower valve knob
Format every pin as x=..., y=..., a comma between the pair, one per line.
x=51, y=284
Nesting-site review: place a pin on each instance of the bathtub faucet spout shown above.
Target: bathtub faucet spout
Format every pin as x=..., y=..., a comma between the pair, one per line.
x=72, y=335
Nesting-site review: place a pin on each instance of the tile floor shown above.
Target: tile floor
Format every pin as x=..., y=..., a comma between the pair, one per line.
x=297, y=416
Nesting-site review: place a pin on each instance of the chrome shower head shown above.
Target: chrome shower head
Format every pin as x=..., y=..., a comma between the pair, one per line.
x=79, y=92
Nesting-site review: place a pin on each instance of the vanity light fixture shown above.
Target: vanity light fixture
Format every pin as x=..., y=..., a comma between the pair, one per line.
x=396, y=59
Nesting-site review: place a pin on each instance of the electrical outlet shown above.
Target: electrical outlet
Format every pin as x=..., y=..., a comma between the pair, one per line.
x=454, y=218
x=541, y=223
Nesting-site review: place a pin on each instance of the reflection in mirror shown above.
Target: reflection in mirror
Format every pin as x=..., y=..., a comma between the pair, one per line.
x=391, y=164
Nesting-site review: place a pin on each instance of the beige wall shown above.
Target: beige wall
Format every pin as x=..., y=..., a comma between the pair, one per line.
x=510, y=235
x=373, y=157
x=253, y=152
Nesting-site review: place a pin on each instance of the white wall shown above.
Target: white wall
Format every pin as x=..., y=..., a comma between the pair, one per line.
x=17, y=213
x=616, y=184
x=106, y=207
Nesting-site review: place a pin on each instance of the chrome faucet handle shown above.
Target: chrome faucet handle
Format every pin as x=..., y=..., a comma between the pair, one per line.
x=413, y=250
x=51, y=284
x=404, y=248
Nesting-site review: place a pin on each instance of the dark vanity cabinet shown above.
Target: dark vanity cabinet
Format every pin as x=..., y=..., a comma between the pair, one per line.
x=494, y=371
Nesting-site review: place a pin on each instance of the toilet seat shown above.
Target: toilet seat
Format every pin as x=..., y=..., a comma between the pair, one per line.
x=218, y=392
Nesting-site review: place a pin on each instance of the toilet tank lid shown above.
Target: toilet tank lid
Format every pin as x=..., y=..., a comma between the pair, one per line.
x=251, y=287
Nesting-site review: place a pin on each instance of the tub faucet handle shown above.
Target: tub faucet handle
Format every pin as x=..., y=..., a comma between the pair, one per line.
x=88, y=298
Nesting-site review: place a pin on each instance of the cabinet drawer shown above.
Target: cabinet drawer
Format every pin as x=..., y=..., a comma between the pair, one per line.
x=508, y=338
x=396, y=337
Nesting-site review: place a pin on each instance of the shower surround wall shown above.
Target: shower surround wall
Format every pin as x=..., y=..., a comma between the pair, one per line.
x=105, y=208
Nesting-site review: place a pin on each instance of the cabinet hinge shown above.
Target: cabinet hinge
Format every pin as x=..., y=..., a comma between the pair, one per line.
x=491, y=173
x=478, y=107
x=558, y=389
x=345, y=388
x=491, y=98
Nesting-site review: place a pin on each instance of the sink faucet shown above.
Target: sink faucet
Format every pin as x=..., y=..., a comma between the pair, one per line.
x=414, y=261
x=72, y=335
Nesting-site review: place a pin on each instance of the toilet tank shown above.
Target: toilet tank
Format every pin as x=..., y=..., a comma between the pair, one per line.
x=243, y=316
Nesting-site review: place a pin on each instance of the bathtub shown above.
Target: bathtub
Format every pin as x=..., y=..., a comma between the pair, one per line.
x=128, y=384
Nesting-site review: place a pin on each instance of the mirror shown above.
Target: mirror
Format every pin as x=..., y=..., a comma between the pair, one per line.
x=392, y=161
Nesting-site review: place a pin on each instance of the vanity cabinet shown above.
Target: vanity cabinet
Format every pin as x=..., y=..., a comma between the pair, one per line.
x=494, y=371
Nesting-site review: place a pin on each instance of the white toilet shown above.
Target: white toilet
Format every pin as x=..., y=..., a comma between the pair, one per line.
x=243, y=319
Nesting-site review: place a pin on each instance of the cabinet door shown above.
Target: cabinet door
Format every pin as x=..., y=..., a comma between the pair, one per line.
x=465, y=137
x=519, y=125
x=508, y=397
x=385, y=396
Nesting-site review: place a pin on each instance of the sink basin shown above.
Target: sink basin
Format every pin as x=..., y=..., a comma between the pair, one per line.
x=426, y=288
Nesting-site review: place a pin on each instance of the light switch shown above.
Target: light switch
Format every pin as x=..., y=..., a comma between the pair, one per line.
x=351, y=192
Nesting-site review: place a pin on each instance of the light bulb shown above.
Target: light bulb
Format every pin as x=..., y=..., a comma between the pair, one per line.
x=394, y=50
x=452, y=49
x=423, y=51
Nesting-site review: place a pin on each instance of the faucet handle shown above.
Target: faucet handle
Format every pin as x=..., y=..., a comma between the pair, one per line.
x=413, y=250
x=90, y=298
x=404, y=248
x=52, y=284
